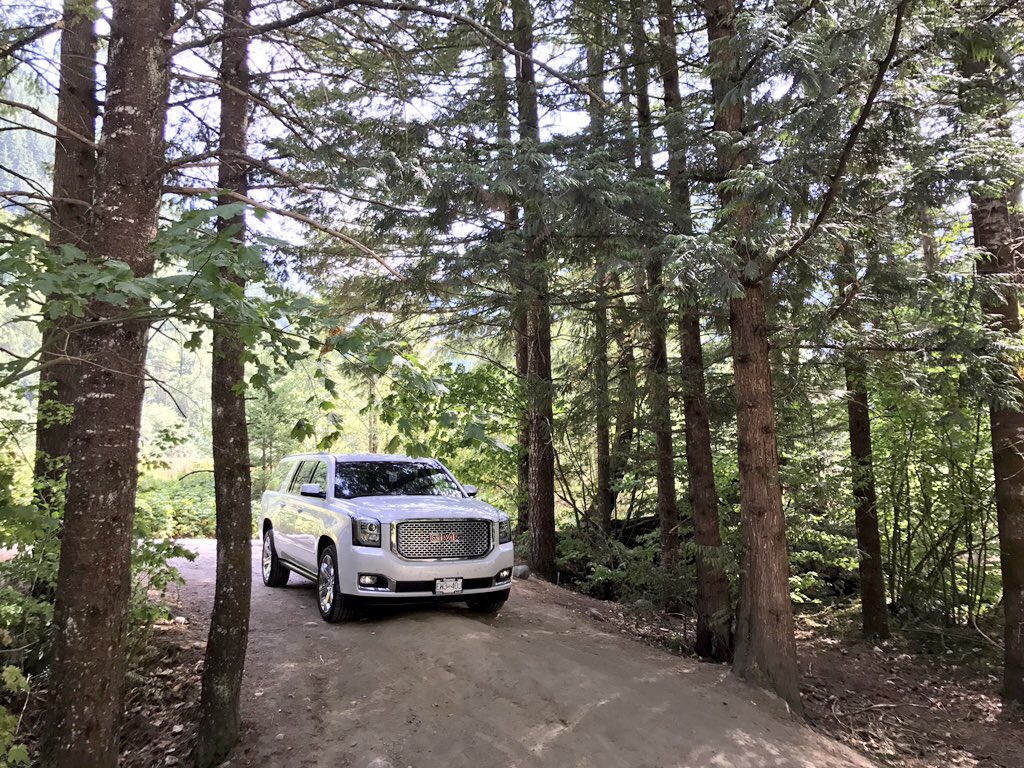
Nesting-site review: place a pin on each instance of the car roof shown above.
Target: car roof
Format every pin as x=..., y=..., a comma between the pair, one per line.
x=352, y=457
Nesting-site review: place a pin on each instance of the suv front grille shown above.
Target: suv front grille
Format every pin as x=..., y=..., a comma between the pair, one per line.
x=431, y=539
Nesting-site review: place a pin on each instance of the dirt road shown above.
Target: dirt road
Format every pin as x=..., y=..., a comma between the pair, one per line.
x=541, y=684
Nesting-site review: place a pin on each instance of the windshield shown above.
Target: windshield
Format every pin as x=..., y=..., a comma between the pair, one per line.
x=392, y=478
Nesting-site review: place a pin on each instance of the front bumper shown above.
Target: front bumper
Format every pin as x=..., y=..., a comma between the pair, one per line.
x=413, y=580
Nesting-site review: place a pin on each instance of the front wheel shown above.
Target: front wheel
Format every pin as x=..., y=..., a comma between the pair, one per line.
x=487, y=603
x=334, y=606
x=275, y=573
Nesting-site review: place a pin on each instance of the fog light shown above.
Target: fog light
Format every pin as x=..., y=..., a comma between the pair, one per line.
x=373, y=581
x=504, y=575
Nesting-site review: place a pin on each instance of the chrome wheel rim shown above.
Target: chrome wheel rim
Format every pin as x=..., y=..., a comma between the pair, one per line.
x=268, y=555
x=325, y=584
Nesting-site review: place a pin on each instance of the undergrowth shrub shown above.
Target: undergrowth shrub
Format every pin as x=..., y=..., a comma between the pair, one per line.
x=608, y=569
x=176, y=508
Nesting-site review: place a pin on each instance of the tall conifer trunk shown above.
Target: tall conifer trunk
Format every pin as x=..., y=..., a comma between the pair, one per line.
x=517, y=309
x=220, y=702
x=998, y=237
x=874, y=611
x=603, y=500
x=714, y=607
x=656, y=319
x=74, y=172
x=765, y=643
x=540, y=391
x=94, y=580
x=626, y=391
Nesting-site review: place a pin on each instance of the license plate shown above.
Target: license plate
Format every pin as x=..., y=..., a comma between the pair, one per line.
x=447, y=586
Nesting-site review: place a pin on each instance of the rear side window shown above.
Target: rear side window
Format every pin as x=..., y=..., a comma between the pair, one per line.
x=301, y=476
x=319, y=475
x=280, y=475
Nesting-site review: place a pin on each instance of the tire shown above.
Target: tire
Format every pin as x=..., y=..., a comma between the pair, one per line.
x=334, y=606
x=487, y=603
x=275, y=573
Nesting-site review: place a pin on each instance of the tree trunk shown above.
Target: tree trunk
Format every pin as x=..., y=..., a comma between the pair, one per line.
x=523, y=434
x=602, y=417
x=74, y=171
x=625, y=413
x=220, y=702
x=714, y=639
x=661, y=422
x=714, y=606
x=602, y=506
x=874, y=612
x=998, y=268
x=94, y=577
x=765, y=644
x=517, y=310
x=540, y=391
x=656, y=321
x=993, y=232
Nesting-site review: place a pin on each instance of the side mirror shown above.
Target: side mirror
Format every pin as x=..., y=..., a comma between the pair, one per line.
x=312, y=489
x=470, y=490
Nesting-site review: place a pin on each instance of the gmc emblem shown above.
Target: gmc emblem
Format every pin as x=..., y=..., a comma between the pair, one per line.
x=444, y=538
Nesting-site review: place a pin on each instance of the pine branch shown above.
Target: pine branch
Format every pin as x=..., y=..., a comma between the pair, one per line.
x=832, y=192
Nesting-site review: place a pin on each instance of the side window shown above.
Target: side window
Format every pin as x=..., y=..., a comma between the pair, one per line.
x=319, y=475
x=280, y=475
x=301, y=476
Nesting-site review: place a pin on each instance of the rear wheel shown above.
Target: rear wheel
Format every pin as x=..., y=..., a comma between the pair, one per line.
x=275, y=573
x=487, y=603
x=334, y=606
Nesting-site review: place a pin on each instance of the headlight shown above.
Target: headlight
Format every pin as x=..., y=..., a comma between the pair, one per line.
x=365, y=532
x=504, y=531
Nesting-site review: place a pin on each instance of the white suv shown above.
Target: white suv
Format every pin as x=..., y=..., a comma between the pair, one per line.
x=383, y=529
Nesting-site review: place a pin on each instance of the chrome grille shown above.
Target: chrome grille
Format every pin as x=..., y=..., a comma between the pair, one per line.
x=430, y=539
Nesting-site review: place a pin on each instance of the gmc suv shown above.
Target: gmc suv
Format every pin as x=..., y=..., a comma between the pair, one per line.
x=383, y=529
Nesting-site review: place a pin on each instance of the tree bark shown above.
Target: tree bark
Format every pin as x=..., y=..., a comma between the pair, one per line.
x=874, y=611
x=602, y=418
x=998, y=267
x=522, y=354
x=714, y=606
x=602, y=506
x=765, y=644
x=74, y=171
x=656, y=321
x=220, y=701
x=517, y=310
x=625, y=409
x=714, y=638
x=661, y=422
x=540, y=391
x=94, y=577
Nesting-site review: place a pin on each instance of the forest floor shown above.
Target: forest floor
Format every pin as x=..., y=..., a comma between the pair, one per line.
x=556, y=679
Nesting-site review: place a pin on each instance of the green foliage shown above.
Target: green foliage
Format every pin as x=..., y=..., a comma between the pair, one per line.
x=13, y=685
x=179, y=509
x=459, y=417
x=608, y=569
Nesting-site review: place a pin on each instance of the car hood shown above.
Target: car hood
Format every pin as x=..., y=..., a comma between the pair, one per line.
x=394, y=508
